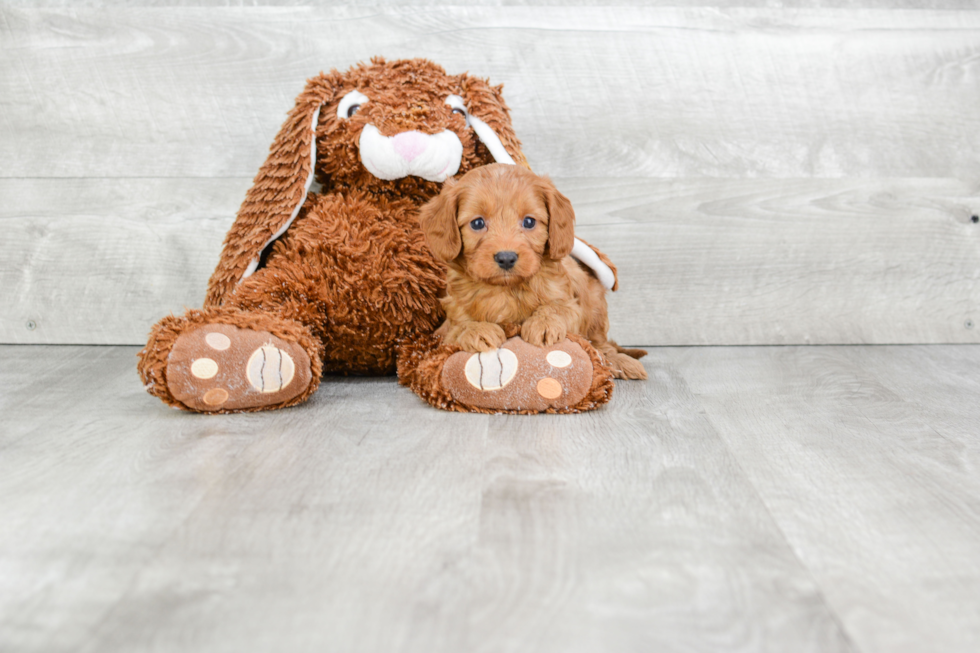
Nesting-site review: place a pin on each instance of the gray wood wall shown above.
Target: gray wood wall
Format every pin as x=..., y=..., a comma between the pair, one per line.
x=803, y=174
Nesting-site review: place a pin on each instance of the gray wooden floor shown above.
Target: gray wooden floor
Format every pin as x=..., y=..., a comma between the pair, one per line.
x=745, y=498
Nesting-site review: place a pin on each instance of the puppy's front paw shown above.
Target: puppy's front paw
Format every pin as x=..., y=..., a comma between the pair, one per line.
x=542, y=332
x=478, y=336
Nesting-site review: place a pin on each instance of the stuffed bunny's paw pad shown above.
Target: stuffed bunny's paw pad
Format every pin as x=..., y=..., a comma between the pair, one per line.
x=220, y=367
x=520, y=377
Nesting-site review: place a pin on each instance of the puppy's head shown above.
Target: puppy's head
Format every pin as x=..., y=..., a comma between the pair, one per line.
x=497, y=222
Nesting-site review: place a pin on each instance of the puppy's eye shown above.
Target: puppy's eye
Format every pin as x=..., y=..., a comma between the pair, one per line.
x=529, y=222
x=459, y=112
x=352, y=109
x=477, y=224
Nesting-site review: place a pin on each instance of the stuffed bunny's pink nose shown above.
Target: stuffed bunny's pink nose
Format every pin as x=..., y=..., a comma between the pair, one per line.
x=410, y=144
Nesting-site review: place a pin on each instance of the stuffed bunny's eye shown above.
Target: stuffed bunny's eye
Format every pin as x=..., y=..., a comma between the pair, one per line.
x=350, y=103
x=458, y=107
x=529, y=222
x=477, y=224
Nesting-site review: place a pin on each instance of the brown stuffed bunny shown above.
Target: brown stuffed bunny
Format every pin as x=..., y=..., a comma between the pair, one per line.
x=335, y=281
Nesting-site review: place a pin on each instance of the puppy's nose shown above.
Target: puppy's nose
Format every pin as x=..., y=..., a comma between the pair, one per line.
x=505, y=260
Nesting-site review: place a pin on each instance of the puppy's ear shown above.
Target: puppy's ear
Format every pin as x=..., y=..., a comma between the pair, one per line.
x=438, y=221
x=561, y=221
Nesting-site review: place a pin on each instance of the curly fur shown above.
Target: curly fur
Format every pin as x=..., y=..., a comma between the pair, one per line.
x=153, y=358
x=351, y=277
x=352, y=274
x=502, y=209
x=420, y=363
x=405, y=95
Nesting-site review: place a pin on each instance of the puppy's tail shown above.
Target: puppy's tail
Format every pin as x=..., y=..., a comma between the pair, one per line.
x=632, y=353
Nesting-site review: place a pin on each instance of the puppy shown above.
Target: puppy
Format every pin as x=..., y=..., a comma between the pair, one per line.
x=506, y=234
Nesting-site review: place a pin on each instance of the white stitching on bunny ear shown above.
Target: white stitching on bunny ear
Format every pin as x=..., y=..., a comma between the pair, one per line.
x=584, y=255
x=491, y=140
x=254, y=264
x=483, y=131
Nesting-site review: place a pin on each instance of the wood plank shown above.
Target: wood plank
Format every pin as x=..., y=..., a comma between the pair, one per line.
x=790, y=4
x=701, y=261
x=876, y=501
x=611, y=91
x=713, y=262
x=91, y=487
x=99, y=261
x=942, y=383
x=98, y=490
x=616, y=530
x=367, y=521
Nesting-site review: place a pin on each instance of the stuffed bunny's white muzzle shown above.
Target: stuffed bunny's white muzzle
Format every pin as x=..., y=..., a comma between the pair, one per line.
x=434, y=157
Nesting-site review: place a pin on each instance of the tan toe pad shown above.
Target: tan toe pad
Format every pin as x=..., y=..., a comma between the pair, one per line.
x=520, y=377
x=222, y=367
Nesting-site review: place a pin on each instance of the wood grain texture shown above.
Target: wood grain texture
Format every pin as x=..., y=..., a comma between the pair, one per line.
x=701, y=261
x=556, y=4
x=941, y=383
x=743, y=499
x=788, y=261
x=100, y=260
x=614, y=91
x=875, y=498
x=190, y=97
x=654, y=517
x=365, y=520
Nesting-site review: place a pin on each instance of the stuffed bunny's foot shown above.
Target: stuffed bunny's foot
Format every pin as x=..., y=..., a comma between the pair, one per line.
x=220, y=367
x=520, y=377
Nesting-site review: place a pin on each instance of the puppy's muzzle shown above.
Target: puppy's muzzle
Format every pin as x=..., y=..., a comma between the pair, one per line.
x=505, y=260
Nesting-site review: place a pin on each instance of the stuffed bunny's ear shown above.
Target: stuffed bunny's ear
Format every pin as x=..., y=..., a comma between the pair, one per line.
x=278, y=191
x=489, y=117
x=438, y=221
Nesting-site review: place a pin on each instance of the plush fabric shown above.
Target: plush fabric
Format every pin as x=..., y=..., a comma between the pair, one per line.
x=343, y=273
x=423, y=364
x=403, y=96
x=155, y=358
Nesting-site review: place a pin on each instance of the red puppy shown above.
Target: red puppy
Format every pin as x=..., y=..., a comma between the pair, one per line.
x=506, y=234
